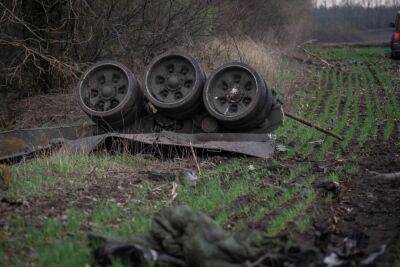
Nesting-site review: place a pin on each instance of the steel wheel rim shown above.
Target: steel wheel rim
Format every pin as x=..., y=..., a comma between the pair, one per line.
x=171, y=80
x=232, y=92
x=105, y=88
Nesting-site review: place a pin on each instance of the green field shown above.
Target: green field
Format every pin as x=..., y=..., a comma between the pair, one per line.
x=65, y=198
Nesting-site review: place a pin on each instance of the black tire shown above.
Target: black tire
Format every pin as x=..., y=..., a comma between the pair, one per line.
x=174, y=84
x=110, y=95
x=395, y=55
x=237, y=96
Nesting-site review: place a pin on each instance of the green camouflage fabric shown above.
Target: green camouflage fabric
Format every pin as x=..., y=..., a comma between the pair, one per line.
x=181, y=236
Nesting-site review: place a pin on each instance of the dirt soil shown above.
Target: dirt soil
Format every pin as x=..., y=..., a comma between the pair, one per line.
x=366, y=209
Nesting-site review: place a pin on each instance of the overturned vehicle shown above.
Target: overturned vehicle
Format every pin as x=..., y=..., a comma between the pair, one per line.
x=232, y=110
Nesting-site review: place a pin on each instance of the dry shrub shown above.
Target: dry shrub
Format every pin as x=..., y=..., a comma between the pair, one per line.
x=217, y=51
x=44, y=111
x=266, y=57
x=45, y=44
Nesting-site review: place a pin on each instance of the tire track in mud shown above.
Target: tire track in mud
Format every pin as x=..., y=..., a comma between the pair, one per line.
x=331, y=116
x=285, y=203
x=294, y=130
x=320, y=93
x=372, y=70
x=366, y=109
x=352, y=131
x=345, y=110
x=343, y=96
x=378, y=101
x=391, y=108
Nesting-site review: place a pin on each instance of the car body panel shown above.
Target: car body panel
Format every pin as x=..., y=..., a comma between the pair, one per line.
x=395, y=42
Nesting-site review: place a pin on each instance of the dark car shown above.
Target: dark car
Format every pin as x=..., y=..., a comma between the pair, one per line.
x=395, y=44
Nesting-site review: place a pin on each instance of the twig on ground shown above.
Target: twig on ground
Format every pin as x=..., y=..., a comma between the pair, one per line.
x=174, y=193
x=317, y=57
x=387, y=176
x=293, y=57
x=259, y=261
x=310, y=124
x=195, y=158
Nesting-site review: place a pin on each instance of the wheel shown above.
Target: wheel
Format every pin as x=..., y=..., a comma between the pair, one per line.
x=237, y=96
x=395, y=55
x=109, y=93
x=174, y=84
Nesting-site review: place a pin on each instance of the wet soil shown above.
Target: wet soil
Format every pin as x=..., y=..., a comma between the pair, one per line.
x=115, y=185
x=366, y=207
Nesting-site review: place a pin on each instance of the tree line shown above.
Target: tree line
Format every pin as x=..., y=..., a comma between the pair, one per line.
x=362, y=17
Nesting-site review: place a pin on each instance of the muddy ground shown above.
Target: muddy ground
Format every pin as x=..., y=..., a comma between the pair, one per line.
x=366, y=208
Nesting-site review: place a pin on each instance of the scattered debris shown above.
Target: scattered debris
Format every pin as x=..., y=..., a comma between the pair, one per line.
x=190, y=177
x=343, y=99
x=372, y=257
x=353, y=250
x=251, y=168
x=332, y=260
x=174, y=193
x=181, y=236
x=195, y=158
x=350, y=254
x=134, y=254
x=329, y=187
x=10, y=202
x=160, y=176
x=386, y=176
x=281, y=148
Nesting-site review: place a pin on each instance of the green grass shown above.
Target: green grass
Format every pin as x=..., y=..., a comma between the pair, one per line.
x=277, y=195
x=281, y=222
x=363, y=55
x=397, y=261
x=367, y=127
x=41, y=176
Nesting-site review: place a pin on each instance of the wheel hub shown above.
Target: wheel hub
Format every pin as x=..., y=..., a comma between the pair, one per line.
x=235, y=95
x=173, y=82
x=232, y=92
x=105, y=88
x=108, y=92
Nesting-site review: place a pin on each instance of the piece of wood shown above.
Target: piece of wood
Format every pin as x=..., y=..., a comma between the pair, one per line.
x=387, y=176
x=260, y=260
x=310, y=124
x=317, y=57
x=195, y=158
x=5, y=176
